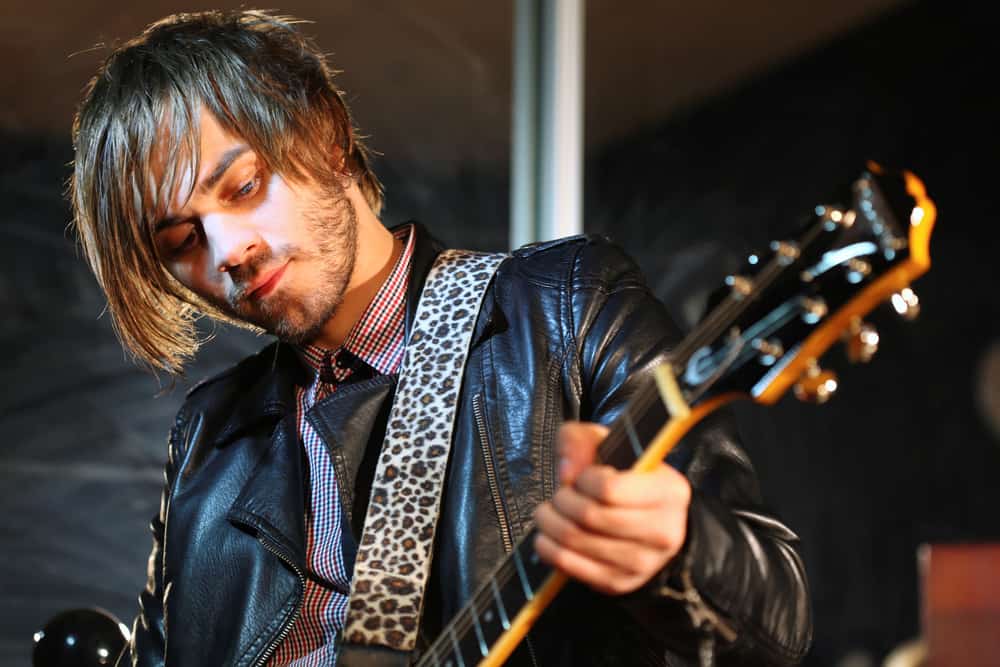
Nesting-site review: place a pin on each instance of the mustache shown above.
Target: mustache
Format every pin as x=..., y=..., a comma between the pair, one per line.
x=246, y=274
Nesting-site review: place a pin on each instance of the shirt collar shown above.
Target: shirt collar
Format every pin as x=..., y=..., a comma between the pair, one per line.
x=379, y=328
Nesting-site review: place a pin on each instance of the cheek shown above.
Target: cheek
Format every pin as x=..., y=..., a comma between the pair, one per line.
x=197, y=277
x=280, y=217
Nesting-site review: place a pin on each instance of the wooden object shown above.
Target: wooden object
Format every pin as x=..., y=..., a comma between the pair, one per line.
x=960, y=606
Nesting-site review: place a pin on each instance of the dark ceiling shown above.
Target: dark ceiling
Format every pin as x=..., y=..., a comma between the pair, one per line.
x=431, y=80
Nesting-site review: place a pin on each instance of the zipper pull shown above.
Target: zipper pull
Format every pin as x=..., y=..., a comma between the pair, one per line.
x=702, y=616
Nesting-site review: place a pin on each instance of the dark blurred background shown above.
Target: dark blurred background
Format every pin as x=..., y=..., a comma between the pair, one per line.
x=711, y=128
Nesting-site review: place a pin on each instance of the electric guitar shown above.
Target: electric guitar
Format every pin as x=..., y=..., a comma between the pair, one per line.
x=778, y=316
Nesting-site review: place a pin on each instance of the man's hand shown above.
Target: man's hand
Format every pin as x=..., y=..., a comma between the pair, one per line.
x=611, y=530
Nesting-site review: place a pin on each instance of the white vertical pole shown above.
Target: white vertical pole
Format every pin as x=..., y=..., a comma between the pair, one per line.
x=547, y=132
x=524, y=123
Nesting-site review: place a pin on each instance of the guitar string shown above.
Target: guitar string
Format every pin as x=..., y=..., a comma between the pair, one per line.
x=714, y=325
x=719, y=320
x=463, y=622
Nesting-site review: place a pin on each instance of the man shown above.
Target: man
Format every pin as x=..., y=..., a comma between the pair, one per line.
x=217, y=171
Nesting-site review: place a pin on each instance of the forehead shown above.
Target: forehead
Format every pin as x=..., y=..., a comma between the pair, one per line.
x=190, y=160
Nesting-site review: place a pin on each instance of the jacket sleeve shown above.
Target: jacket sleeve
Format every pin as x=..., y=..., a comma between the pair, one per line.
x=146, y=648
x=741, y=561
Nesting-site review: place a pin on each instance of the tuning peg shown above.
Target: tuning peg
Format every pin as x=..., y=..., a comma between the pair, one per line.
x=906, y=303
x=816, y=385
x=770, y=350
x=787, y=251
x=813, y=309
x=861, y=340
x=741, y=286
x=834, y=217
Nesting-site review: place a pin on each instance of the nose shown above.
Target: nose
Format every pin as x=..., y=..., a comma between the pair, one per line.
x=233, y=241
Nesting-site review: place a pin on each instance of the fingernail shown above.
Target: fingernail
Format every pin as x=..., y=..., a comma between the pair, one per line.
x=563, y=469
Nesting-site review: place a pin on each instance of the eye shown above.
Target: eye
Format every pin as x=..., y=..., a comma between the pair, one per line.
x=247, y=189
x=178, y=240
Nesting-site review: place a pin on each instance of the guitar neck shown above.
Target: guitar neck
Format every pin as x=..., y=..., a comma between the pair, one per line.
x=469, y=636
x=780, y=314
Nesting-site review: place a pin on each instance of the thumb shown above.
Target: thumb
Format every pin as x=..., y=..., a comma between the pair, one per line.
x=578, y=442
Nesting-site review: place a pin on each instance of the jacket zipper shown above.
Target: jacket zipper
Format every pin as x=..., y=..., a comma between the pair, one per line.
x=491, y=473
x=491, y=477
x=287, y=627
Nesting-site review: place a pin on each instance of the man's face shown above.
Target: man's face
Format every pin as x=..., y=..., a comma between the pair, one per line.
x=271, y=252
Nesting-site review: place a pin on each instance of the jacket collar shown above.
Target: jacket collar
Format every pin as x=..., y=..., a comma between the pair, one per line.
x=272, y=374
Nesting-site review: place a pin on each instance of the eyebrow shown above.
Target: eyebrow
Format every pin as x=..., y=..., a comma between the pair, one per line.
x=209, y=182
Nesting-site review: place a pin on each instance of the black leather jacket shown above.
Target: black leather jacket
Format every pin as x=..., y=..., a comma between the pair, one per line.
x=565, y=330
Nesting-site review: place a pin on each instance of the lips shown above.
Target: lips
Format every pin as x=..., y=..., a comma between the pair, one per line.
x=267, y=283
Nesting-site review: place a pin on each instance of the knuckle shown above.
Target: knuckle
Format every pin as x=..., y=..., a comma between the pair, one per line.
x=590, y=515
x=563, y=499
x=663, y=537
x=607, y=489
x=648, y=562
x=571, y=536
x=618, y=585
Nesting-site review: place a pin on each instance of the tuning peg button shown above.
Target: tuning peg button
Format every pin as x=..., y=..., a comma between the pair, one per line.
x=862, y=342
x=813, y=309
x=816, y=385
x=906, y=303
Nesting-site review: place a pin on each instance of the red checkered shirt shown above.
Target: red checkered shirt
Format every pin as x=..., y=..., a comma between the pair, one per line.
x=377, y=342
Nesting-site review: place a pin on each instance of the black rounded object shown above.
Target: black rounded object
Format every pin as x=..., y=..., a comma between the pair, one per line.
x=79, y=638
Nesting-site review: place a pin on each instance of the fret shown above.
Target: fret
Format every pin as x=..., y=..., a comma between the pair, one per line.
x=532, y=566
x=718, y=359
x=522, y=575
x=650, y=419
x=491, y=621
x=633, y=437
x=511, y=592
x=456, y=649
x=501, y=610
x=478, y=628
x=638, y=424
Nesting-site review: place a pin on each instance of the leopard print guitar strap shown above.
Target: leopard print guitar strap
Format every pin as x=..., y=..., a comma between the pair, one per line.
x=394, y=557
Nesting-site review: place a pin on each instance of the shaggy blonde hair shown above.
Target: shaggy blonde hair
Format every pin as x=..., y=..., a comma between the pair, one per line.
x=264, y=82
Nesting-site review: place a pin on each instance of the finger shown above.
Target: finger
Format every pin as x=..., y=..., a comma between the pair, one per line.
x=658, y=526
x=625, y=555
x=596, y=574
x=662, y=485
x=578, y=442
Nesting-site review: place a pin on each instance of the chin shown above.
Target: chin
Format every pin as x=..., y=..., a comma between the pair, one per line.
x=297, y=330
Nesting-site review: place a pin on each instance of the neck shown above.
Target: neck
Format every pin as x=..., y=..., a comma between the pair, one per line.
x=377, y=252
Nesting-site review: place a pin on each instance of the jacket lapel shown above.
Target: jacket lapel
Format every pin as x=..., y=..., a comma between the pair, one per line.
x=351, y=422
x=273, y=499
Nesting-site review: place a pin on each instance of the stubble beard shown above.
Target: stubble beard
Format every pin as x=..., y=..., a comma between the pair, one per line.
x=298, y=313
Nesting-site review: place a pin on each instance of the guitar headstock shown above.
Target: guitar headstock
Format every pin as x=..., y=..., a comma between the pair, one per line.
x=788, y=306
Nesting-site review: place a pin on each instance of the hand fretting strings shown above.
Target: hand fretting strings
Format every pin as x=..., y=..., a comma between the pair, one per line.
x=622, y=446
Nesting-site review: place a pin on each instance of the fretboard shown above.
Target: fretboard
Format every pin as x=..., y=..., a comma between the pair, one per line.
x=468, y=637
